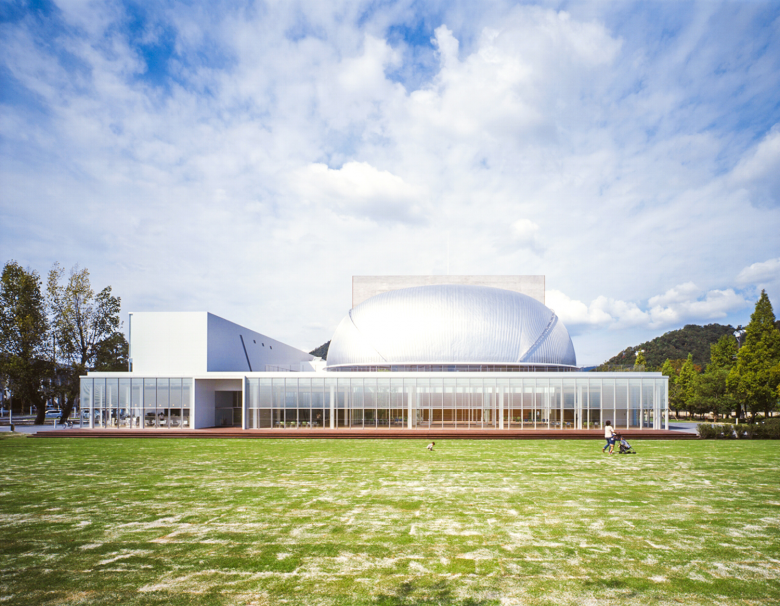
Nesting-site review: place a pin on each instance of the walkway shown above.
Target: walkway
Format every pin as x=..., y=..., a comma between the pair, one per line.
x=362, y=434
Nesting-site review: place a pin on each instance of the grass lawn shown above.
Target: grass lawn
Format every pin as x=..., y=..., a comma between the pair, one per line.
x=386, y=522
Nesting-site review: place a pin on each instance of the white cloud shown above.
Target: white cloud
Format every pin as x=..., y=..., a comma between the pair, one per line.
x=678, y=294
x=715, y=305
x=525, y=234
x=759, y=172
x=575, y=314
x=760, y=273
x=675, y=307
x=291, y=145
x=359, y=189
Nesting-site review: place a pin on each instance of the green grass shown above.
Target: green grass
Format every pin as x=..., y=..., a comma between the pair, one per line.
x=387, y=522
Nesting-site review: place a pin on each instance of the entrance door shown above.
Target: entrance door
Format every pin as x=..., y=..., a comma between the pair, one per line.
x=228, y=409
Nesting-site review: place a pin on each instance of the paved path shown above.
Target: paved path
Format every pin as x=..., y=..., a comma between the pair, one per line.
x=685, y=426
x=418, y=434
x=31, y=429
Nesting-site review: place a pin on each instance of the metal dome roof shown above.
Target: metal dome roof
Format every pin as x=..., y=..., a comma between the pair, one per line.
x=451, y=324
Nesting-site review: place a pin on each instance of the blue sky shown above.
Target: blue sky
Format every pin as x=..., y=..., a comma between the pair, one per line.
x=249, y=158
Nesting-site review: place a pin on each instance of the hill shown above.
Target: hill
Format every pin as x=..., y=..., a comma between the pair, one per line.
x=321, y=351
x=675, y=345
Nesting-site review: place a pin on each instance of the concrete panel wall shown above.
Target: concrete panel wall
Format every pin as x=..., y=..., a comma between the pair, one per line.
x=191, y=343
x=227, y=352
x=168, y=344
x=205, y=398
x=365, y=287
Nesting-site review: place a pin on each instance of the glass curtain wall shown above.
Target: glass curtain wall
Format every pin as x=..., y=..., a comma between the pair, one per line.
x=136, y=403
x=381, y=402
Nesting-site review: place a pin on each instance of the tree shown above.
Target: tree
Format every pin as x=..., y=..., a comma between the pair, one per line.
x=670, y=371
x=640, y=360
x=686, y=383
x=712, y=390
x=112, y=354
x=752, y=377
x=23, y=337
x=723, y=353
x=711, y=393
x=86, y=327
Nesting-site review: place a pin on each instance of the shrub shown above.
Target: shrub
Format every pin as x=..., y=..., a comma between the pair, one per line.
x=767, y=430
x=712, y=431
x=772, y=429
x=706, y=431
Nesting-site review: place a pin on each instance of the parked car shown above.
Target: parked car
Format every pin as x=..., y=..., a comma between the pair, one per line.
x=53, y=413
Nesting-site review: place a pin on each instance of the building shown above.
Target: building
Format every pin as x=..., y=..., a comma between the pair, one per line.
x=418, y=352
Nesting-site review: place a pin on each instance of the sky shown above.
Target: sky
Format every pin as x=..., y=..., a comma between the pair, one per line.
x=249, y=158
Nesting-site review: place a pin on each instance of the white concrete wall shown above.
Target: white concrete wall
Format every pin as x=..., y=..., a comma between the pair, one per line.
x=226, y=352
x=169, y=344
x=205, y=390
x=365, y=287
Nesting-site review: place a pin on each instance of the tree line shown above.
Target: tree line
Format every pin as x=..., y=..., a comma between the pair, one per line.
x=740, y=378
x=673, y=345
x=49, y=336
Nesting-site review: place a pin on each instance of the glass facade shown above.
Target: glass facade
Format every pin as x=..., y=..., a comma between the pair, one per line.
x=383, y=400
x=376, y=400
x=136, y=403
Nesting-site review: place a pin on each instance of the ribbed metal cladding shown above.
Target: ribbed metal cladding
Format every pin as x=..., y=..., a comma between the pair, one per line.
x=451, y=324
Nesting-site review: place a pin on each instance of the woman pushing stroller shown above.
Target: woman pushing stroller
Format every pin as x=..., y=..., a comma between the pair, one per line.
x=609, y=434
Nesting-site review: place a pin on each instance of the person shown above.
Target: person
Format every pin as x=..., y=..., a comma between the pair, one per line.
x=430, y=446
x=609, y=434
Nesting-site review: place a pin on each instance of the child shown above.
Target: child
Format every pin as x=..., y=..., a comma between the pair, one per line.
x=430, y=446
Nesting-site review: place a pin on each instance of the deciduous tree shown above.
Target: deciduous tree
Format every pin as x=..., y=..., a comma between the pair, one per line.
x=23, y=337
x=86, y=325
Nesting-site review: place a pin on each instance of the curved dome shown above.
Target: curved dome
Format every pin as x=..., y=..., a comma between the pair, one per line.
x=451, y=325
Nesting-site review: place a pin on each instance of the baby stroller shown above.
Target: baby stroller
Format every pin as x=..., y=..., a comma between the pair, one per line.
x=625, y=447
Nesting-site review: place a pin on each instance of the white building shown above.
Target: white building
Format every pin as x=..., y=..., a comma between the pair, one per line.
x=451, y=352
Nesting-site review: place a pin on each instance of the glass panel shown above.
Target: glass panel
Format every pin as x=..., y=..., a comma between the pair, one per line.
x=542, y=404
x=621, y=403
x=278, y=393
x=150, y=403
x=568, y=421
x=186, y=401
x=397, y=403
x=100, y=402
x=529, y=410
x=369, y=403
x=125, y=416
x=264, y=417
x=163, y=402
x=635, y=396
x=264, y=394
x=357, y=403
x=112, y=402
x=137, y=395
x=85, y=402
x=608, y=402
x=648, y=404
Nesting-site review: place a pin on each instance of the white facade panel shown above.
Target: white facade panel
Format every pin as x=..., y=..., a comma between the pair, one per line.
x=189, y=343
x=365, y=287
x=451, y=324
x=169, y=343
x=235, y=348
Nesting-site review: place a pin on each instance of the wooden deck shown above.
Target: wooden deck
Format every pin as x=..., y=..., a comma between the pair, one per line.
x=368, y=434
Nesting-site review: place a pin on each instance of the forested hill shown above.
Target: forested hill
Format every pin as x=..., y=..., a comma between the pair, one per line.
x=675, y=345
x=321, y=351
